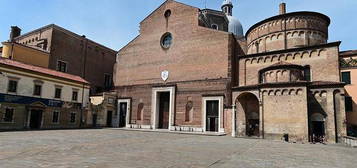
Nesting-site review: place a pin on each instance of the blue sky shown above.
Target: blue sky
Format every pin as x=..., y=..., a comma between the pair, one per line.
x=114, y=23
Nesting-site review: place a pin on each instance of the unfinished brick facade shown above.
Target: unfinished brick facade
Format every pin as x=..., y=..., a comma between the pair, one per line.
x=271, y=84
x=195, y=71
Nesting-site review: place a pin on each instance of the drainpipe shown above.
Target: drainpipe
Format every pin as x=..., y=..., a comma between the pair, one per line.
x=85, y=57
x=83, y=76
x=82, y=108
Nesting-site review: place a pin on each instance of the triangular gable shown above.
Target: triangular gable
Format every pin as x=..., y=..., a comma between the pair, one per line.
x=151, y=14
x=163, y=4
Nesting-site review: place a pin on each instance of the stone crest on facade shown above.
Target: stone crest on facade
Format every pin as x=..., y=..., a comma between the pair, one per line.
x=165, y=75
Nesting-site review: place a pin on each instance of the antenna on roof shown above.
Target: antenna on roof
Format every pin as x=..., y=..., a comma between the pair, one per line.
x=205, y=4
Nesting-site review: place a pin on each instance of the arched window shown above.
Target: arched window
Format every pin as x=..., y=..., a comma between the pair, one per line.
x=214, y=26
x=167, y=13
x=166, y=40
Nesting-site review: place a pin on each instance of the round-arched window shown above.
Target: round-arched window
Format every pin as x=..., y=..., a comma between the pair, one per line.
x=166, y=40
x=167, y=13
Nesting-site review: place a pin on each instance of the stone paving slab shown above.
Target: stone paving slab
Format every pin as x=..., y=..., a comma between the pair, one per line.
x=106, y=148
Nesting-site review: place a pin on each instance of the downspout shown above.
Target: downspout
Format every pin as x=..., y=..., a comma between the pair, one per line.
x=83, y=76
x=85, y=58
x=82, y=108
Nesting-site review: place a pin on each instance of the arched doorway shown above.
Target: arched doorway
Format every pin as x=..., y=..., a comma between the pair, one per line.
x=248, y=119
x=317, y=121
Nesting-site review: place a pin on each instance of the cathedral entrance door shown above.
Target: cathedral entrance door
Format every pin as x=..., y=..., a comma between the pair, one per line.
x=163, y=107
x=164, y=110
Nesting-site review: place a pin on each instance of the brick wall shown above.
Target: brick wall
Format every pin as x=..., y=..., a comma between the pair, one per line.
x=185, y=91
x=196, y=52
x=82, y=53
x=288, y=31
x=323, y=62
x=285, y=112
x=78, y=52
x=199, y=62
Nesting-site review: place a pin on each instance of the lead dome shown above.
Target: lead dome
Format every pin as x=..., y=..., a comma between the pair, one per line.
x=234, y=25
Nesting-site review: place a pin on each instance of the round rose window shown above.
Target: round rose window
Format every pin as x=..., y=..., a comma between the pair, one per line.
x=166, y=40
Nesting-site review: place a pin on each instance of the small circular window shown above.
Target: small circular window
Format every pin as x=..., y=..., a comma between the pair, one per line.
x=167, y=13
x=166, y=40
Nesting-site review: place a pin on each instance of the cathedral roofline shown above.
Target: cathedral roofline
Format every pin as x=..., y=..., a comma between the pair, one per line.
x=163, y=5
x=332, y=44
x=288, y=15
x=128, y=43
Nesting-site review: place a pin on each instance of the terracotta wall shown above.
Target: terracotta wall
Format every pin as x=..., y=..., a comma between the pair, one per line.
x=287, y=32
x=196, y=52
x=289, y=117
x=318, y=58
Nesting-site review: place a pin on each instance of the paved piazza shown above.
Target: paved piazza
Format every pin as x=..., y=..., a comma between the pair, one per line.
x=119, y=148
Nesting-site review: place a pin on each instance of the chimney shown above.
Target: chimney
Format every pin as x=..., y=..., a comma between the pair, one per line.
x=282, y=8
x=15, y=32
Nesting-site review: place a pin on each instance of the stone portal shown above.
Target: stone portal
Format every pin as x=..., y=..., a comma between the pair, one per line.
x=164, y=109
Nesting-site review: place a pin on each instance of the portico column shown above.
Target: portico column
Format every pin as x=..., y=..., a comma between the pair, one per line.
x=233, y=120
x=261, y=120
x=330, y=128
x=261, y=117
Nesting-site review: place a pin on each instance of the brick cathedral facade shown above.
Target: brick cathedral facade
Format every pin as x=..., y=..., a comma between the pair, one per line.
x=193, y=70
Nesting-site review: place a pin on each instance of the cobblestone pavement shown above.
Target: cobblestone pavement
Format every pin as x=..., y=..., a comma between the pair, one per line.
x=118, y=148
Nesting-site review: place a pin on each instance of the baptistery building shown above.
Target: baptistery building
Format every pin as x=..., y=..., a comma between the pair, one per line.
x=194, y=70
